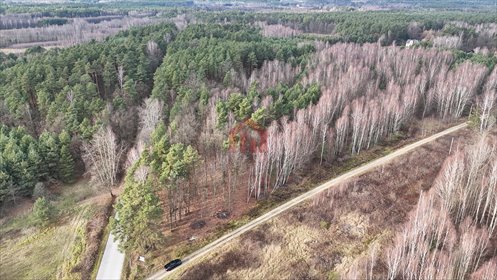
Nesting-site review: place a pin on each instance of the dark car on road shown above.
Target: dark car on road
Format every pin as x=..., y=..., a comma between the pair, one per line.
x=173, y=264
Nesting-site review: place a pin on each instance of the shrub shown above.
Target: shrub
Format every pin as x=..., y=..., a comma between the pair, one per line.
x=43, y=212
x=39, y=190
x=324, y=224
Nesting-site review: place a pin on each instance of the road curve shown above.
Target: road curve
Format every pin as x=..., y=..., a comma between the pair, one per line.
x=278, y=210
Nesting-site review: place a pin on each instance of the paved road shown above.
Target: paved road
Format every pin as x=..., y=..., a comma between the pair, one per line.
x=278, y=210
x=112, y=261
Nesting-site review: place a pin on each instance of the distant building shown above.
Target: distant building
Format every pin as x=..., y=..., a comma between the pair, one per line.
x=411, y=43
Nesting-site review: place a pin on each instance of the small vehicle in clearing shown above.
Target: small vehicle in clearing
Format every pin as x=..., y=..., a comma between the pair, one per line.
x=173, y=264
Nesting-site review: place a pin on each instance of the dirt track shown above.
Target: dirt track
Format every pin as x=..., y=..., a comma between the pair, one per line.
x=278, y=210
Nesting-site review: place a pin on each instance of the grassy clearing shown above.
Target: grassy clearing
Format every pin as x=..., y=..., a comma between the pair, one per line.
x=34, y=257
x=28, y=252
x=17, y=224
x=42, y=253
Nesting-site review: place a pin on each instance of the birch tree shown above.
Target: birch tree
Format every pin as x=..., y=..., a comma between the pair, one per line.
x=101, y=156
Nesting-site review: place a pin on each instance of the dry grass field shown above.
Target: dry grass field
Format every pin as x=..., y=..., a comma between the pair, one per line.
x=64, y=250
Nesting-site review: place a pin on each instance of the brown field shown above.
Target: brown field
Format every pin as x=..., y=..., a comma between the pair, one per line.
x=20, y=49
x=76, y=31
x=322, y=238
x=12, y=50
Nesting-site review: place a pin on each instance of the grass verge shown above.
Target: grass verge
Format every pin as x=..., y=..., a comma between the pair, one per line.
x=35, y=253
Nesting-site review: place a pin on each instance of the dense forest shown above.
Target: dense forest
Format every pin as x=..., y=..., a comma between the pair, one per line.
x=74, y=90
x=372, y=26
x=209, y=103
x=128, y=5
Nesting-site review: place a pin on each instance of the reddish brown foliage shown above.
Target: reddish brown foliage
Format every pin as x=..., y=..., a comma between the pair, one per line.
x=248, y=137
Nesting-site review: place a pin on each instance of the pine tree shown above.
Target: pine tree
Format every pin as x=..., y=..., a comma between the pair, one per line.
x=109, y=77
x=130, y=90
x=245, y=109
x=139, y=214
x=259, y=116
x=43, y=211
x=222, y=114
x=227, y=81
x=5, y=186
x=141, y=68
x=66, y=165
x=66, y=161
x=86, y=129
x=50, y=153
x=252, y=61
x=33, y=164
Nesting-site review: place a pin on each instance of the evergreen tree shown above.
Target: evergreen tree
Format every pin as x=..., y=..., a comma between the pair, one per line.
x=49, y=149
x=43, y=212
x=5, y=186
x=86, y=129
x=142, y=68
x=227, y=81
x=176, y=166
x=33, y=163
x=130, y=90
x=138, y=214
x=66, y=162
x=222, y=114
x=110, y=75
x=244, y=109
x=259, y=116
x=252, y=61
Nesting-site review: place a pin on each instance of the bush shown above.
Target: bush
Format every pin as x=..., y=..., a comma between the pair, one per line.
x=39, y=190
x=324, y=224
x=43, y=212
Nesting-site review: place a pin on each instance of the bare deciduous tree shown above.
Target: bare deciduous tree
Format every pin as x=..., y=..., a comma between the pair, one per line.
x=449, y=232
x=101, y=157
x=150, y=115
x=120, y=76
x=488, y=271
x=488, y=101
